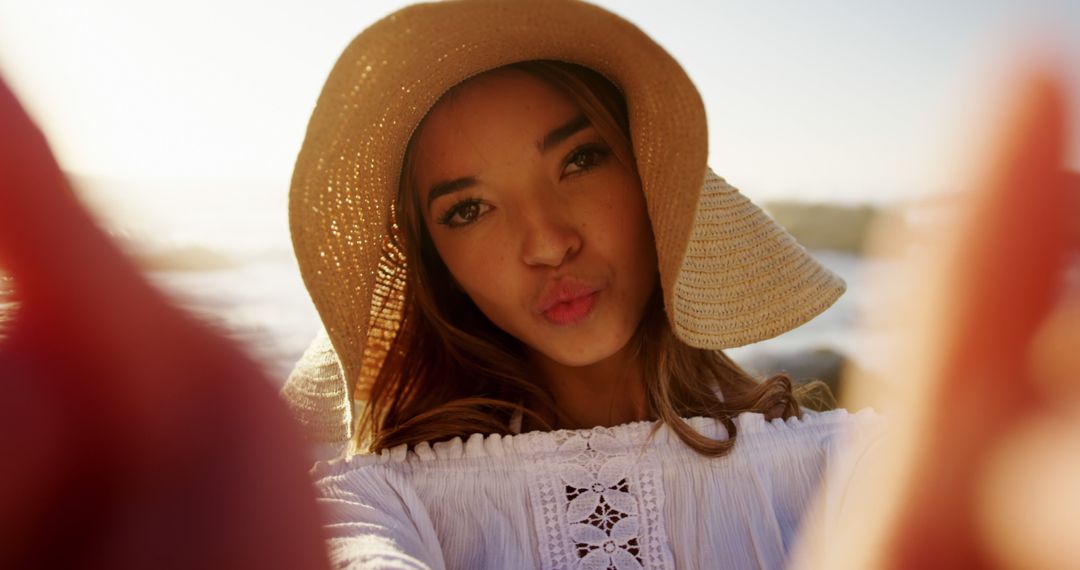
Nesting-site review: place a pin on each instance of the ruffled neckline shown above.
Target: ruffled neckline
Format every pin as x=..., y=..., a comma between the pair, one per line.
x=629, y=435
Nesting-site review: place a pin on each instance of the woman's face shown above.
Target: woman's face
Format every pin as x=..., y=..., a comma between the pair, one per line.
x=535, y=217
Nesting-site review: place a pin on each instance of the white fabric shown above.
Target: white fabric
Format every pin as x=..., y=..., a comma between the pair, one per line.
x=598, y=498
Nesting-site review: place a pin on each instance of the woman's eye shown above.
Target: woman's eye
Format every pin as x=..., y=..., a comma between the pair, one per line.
x=464, y=213
x=584, y=157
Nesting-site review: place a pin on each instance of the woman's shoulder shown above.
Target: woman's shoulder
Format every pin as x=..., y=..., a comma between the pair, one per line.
x=815, y=437
x=830, y=428
x=829, y=424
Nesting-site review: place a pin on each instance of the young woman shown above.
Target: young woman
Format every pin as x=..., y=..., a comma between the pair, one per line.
x=120, y=454
x=526, y=273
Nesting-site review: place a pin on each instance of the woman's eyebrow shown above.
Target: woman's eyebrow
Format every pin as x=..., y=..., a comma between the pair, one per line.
x=562, y=132
x=448, y=187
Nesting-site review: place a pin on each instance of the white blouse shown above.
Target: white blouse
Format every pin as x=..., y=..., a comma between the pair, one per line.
x=592, y=498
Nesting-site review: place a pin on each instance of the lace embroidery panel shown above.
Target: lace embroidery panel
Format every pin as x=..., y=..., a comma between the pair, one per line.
x=597, y=503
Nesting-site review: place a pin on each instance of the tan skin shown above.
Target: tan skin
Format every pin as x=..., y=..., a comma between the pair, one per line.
x=519, y=213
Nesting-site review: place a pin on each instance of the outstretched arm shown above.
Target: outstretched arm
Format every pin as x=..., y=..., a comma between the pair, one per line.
x=131, y=436
x=980, y=465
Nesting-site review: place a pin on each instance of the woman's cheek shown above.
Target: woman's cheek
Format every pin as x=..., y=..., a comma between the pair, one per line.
x=483, y=273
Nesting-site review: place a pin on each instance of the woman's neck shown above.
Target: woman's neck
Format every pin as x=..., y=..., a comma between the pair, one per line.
x=607, y=393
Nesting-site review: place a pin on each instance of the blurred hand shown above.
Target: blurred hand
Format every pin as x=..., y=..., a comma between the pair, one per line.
x=982, y=465
x=132, y=436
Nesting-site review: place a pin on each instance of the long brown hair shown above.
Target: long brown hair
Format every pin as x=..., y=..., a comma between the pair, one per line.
x=450, y=372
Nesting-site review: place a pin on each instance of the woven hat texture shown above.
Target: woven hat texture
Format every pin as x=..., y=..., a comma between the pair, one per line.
x=730, y=275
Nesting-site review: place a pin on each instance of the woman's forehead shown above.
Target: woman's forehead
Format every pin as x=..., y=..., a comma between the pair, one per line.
x=514, y=94
x=503, y=107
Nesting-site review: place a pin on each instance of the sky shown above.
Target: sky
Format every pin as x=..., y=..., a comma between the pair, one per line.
x=849, y=101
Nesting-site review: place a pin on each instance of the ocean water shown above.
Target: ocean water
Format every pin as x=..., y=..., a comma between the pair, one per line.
x=263, y=304
x=223, y=253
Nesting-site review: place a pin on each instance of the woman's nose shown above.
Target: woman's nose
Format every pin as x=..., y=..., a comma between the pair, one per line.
x=551, y=236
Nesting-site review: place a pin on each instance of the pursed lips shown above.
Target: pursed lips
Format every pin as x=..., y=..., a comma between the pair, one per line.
x=563, y=291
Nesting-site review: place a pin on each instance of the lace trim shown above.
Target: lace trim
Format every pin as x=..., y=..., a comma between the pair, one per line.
x=526, y=446
x=599, y=508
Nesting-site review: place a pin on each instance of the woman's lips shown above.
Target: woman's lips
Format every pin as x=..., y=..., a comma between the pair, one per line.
x=568, y=303
x=571, y=311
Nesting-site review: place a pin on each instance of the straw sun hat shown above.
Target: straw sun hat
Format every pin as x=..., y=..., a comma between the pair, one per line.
x=730, y=275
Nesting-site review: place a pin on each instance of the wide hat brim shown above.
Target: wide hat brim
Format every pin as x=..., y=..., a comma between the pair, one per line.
x=730, y=275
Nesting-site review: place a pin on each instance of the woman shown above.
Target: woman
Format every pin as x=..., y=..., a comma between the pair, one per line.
x=503, y=215
x=122, y=453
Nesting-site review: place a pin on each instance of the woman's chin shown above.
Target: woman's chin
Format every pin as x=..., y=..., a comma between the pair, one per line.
x=579, y=351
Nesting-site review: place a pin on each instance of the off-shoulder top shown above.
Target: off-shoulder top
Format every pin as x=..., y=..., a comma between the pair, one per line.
x=607, y=497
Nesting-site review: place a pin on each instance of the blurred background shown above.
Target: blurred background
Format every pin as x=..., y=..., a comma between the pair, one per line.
x=179, y=123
